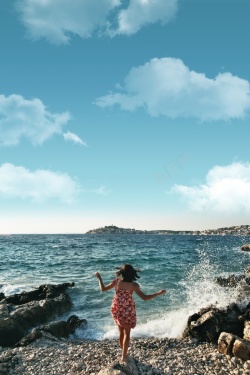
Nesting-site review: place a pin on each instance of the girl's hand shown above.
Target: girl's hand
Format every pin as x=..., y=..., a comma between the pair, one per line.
x=97, y=275
x=163, y=291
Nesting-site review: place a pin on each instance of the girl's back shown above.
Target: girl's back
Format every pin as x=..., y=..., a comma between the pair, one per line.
x=130, y=286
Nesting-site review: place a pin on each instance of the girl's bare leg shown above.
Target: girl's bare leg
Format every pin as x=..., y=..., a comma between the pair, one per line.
x=121, y=336
x=126, y=340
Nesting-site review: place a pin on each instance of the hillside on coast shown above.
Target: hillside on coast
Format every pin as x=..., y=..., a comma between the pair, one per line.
x=234, y=230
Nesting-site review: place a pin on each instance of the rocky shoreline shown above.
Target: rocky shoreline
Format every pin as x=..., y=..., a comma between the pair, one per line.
x=216, y=341
x=147, y=356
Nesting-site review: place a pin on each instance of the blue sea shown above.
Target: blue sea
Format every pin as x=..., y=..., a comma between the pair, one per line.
x=185, y=265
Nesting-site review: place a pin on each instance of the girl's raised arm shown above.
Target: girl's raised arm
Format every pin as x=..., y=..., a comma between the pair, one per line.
x=103, y=287
x=147, y=297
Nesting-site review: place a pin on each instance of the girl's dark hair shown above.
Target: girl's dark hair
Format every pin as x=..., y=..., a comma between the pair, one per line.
x=128, y=273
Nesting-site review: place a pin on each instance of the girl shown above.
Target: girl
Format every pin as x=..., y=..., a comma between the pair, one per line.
x=123, y=305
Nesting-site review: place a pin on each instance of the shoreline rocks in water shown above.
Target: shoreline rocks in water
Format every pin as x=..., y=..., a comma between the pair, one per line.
x=229, y=326
x=20, y=313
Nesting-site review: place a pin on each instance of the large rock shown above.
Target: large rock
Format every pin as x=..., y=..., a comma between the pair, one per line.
x=207, y=324
x=241, y=349
x=229, y=344
x=62, y=328
x=43, y=292
x=206, y=327
x=225, y=343
x=231, y=320
x=16, y=321
x=58, y=329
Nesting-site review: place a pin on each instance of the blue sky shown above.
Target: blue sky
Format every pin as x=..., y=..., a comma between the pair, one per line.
x=133, y=113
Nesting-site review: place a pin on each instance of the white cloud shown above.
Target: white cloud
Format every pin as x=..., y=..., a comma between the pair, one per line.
x=30, y=119
x=227, y=190
x=169, y=88
x=39, y=185
x=58, y=20
x=73, y=138
x=142, y=12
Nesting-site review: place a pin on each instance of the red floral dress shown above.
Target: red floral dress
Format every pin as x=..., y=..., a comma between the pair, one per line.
x=123, y=308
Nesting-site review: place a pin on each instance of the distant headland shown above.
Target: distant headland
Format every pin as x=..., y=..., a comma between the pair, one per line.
x=242, y=230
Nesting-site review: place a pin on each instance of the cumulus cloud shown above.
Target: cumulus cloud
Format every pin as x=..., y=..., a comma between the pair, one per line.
x=22, y=118
x=73, y=138
x=38, y=186
x=227, y=190
x=169, y=88
x=58, y=20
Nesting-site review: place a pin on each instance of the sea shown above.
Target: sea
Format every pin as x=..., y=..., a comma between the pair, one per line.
x=185, y=265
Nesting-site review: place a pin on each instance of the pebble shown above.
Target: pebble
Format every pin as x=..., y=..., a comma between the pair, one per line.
x=149, y=356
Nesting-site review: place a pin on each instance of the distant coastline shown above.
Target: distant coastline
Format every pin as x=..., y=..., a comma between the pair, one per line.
x=242, y=230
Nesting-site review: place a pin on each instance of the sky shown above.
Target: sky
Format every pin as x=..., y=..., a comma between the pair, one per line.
x=132, y=113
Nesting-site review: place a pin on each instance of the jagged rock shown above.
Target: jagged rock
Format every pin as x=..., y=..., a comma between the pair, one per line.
x=245, y=247
x=43, y=292
x=26, y=315
x=241, y=349
x=232, y=345
x=232, y=281
x=57, y=330
x=225, y=343
x=207, y=324
x=62, y=328
x=230, y=320
x=206, y=327
x=2, y=296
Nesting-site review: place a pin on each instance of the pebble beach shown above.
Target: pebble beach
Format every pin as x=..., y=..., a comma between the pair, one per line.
x=147, y=356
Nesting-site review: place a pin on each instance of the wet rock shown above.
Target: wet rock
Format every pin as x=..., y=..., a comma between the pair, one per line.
x=207, y=324
x=206, y=327
x=62, y=328
x=43, y=292
x=232, y=281
x=16, y=321
x=230, y=320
